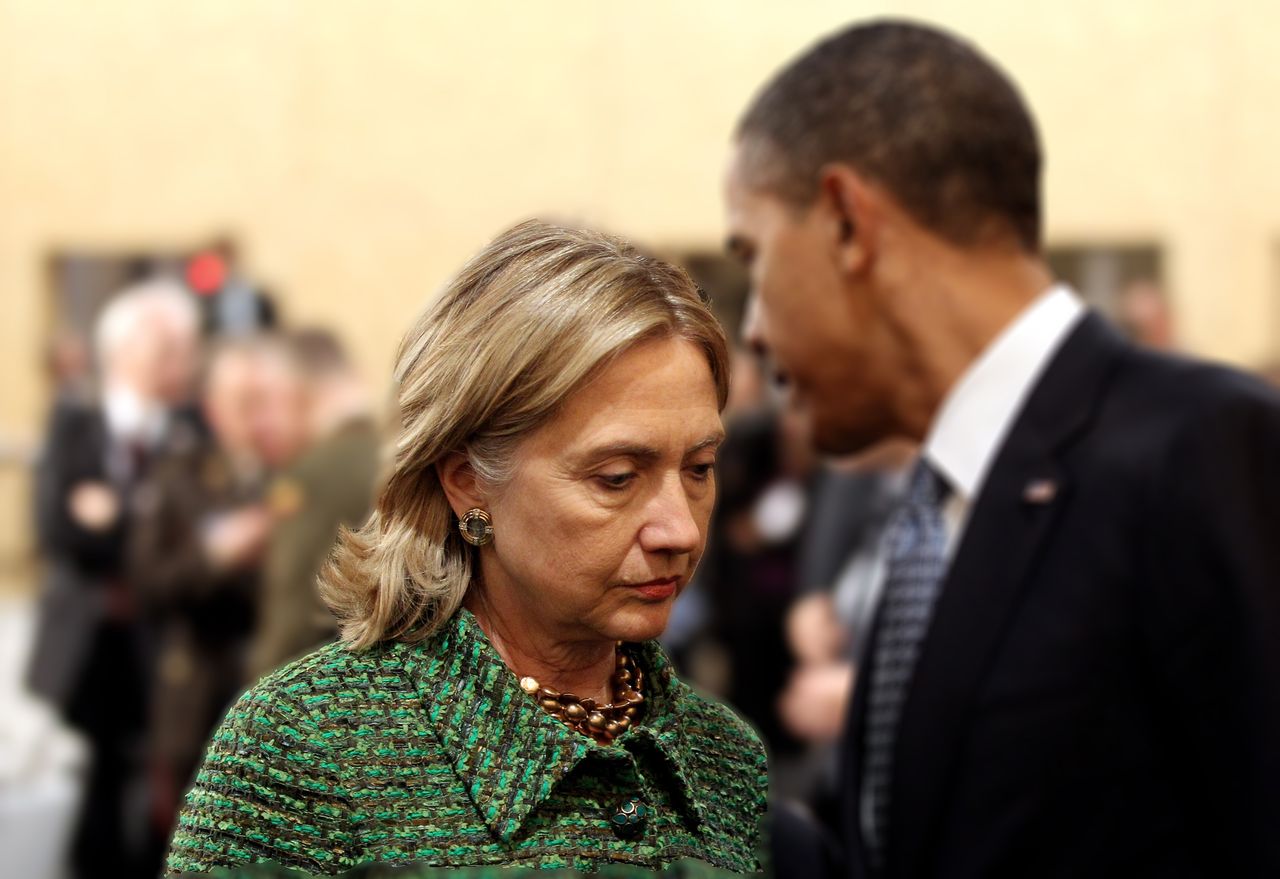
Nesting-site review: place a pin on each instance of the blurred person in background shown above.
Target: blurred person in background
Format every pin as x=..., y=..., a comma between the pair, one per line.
x=1270, y=372
x=232, y=304
x=842, y=568
x=328, y=485
x=280, y=428
x=1145, y=315
x=1075, y=668
x=69, y=365
x=195, y=558
x=748, y=577
x=88, y=658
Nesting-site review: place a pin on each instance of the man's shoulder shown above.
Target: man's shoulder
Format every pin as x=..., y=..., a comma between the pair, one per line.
x=1156, y=399
x=1192, y=384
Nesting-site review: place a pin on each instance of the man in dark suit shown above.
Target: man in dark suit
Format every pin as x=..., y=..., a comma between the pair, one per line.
x=1076, y=664
x=89, y=655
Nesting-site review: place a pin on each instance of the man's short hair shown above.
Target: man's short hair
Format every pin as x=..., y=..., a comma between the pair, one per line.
x=919, y=111
x=318, y=353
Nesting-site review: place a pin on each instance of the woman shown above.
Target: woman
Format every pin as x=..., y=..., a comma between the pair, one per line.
x=497, y=698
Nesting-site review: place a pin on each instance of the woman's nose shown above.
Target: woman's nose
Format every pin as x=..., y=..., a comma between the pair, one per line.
x=672, y=526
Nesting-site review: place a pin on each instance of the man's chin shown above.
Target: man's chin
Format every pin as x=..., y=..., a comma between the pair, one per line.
x=840, y=437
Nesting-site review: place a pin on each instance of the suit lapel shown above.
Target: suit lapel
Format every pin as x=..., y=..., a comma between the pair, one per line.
x=1014, y=513
x=851, y=764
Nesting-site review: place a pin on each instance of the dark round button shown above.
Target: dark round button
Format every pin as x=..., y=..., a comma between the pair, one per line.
x=628, y=822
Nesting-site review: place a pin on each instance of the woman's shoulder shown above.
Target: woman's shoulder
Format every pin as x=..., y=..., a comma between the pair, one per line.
x=719, y=746
x=324, y=686
x=724, y=764
x=722, y=732
x=274, y=781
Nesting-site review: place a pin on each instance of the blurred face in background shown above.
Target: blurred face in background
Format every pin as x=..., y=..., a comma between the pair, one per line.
x=281, y=414
x=232, y=400
x=157, y=360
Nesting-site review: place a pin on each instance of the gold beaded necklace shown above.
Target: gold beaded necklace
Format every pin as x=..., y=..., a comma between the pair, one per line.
x=604, y=723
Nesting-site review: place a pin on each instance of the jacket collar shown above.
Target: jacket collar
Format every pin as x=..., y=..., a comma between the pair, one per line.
x=510, y=754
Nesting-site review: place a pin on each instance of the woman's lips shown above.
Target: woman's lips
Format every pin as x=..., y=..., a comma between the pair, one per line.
x=657, y=589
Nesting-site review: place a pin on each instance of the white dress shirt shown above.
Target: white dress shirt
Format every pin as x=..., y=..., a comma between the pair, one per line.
x=978, y=412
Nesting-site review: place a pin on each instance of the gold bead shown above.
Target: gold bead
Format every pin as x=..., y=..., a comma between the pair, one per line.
x=624, y=721
x=631, y=711
x=549, y=693
x=529, y=685
x=613, y=727
x=575, y=711
x=552, y=705
x=624, y=675
x=596, y=720
x=568, y=699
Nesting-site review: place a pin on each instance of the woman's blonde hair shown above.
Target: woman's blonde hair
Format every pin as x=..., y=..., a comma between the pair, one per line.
x=526, y=322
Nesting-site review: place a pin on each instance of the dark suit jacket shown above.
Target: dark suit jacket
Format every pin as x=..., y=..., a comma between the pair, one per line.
x=81, y=564
x=1099, y=692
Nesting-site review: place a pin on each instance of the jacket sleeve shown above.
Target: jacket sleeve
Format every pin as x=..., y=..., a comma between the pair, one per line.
x=72, y=455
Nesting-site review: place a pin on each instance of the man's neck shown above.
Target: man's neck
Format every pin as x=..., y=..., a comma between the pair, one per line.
x=948, y=314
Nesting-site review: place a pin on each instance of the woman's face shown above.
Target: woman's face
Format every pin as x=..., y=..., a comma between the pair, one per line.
x=606, y=515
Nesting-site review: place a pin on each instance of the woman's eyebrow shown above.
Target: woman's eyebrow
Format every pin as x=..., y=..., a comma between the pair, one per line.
x=709, y=442
x=619, y=449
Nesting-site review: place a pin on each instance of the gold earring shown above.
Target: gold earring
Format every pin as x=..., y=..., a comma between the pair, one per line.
x=476, y=527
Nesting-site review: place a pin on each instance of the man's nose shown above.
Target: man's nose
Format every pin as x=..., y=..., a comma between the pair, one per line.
x=753, y=325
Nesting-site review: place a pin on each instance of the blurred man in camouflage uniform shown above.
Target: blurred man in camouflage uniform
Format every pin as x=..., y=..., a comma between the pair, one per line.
x=330, y=485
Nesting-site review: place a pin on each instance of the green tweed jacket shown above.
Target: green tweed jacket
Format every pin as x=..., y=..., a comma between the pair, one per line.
x=431, y=754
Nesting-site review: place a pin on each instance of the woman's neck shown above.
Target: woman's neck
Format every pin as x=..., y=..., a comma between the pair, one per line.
x=583, y=668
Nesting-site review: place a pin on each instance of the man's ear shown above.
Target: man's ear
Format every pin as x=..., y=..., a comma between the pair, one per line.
x=458, y=479
x=854, y=208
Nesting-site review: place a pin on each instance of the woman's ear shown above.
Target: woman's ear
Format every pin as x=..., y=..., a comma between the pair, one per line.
x=458, y=479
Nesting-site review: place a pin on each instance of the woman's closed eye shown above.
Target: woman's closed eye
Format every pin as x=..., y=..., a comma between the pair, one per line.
x=615, y=481
x=702, y=472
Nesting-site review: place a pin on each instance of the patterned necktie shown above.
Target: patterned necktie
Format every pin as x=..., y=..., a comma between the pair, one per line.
x=916, y=544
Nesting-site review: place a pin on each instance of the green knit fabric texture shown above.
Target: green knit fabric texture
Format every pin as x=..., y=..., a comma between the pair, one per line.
x=430, y=754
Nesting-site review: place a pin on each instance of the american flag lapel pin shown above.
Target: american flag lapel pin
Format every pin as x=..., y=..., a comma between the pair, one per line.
x=1040, y=491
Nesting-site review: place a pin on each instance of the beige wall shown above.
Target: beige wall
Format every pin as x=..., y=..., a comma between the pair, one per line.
x=361, y=150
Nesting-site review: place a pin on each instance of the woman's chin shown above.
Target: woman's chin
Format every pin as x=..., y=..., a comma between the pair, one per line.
x=643, y=622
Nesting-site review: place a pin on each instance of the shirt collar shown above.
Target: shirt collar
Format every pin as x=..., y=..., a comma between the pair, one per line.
x=508, y=752
x=981, y=407
x=131, y=417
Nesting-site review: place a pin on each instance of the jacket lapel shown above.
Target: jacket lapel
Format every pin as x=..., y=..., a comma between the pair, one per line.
x=506, y=752
x=1024, y=493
